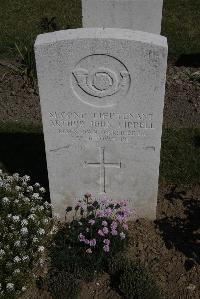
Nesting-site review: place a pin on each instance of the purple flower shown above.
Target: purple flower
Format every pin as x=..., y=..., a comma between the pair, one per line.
x=113, y=225
x=93, y=242
x=105, y=230
x=108, y=211
x=106, y=242
x=86, y=241
x=91, y=221
x=114, y=232
x=81, y=237
x=106, y=248
x=122, y=236
x=104, y=223
x=100, y=232
x=89, y=250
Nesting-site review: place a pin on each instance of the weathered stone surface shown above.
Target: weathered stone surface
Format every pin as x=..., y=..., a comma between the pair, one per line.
x=102, y=96
x=144, y=15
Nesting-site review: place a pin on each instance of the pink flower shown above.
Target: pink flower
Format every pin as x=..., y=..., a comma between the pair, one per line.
x=100, y=232
x=91, y=221
x=114, y=232
x=81, y=237
x=86, y=241
x=122, y=236
x=104, y=223
x=106, y=242
x=105, y=230
x=93, y=242
x=106, y=248
x=125, y=226
x=89, y=250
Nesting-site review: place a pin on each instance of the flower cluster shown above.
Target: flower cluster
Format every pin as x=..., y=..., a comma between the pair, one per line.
x=100, y=226
x=26, y=223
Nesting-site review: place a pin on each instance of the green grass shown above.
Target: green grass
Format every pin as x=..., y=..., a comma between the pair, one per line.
x=20, y=19
x=20, y=22
x=181, y=25
x=180, y=155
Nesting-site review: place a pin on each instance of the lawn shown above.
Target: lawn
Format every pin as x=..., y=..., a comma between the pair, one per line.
x=20, y=22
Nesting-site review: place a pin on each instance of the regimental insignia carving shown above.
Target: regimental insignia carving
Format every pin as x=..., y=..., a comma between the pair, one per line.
x=100, y=80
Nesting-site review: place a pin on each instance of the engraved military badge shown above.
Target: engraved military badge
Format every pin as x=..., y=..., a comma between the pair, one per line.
x=100, y=80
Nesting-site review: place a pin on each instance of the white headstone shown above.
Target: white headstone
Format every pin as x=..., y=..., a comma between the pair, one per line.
x=143, y=15
x=102, y=97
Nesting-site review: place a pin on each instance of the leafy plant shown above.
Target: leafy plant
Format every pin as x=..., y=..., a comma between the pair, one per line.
x=26, y=228
x=48, y=24
x=62, y=284
x=131, y=280
x=97, y=232
x=27, y=61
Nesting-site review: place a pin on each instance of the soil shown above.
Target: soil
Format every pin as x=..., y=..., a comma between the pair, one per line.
x=168, y=247
x=182, y=100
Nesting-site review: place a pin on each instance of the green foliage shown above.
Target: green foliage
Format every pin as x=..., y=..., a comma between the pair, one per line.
x=131, y=280
x=62, y=284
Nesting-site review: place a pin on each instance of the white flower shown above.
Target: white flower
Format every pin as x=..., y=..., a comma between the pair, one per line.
x=33, y=210
x=2, y=252
x=26, y=199
x=42, y=190
x=7, y=187
x=24, y=289
x=40, y=208
x=53, y=230
x=41, y=248
x=47, y=204
x=37, y=185
x=9, y=216
x=16, y=271
x=9, y=179
x=0, y=287
x=29, y=189
x=25, y=258
x=26, y=178
x=17, y=259
x=35, y=240
x=20, y=195
x=5, y=200
x=17, y=188
x=56, y=216
x=32, y=216
x=15, y=218
x=122, y=236
x=17, y=243
x=1, y=171
x=35, y=195
x=24, y=230
x=41, y=231
x=24, y=222
x=10, y=286
x=16, y=176
x=45, y=220
x=16, y=201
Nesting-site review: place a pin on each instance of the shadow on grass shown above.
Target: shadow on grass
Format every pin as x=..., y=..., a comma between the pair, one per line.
x=25, y=154
x=189, y=60
x=183, y=233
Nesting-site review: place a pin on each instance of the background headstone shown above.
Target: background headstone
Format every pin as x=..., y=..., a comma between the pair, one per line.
x=102, y=98
x=143, y=15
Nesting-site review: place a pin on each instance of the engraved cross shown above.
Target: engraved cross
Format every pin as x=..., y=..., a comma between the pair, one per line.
x=103, y=165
